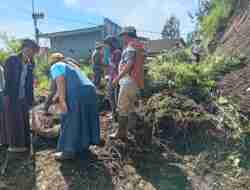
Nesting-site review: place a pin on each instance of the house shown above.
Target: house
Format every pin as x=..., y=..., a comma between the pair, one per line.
x=155, y=47
x=79, y=43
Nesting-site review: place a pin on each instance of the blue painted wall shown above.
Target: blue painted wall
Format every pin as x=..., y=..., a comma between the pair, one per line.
x=76, y=46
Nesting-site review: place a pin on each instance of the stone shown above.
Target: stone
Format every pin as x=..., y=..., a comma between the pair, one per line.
x=129, y=186
x=129, y=170
x=149, y=186
x=3, y=186
x=141, y=185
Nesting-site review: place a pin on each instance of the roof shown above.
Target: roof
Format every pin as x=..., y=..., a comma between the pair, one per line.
x=144, y=39
x=156, y=46
x=73, y=32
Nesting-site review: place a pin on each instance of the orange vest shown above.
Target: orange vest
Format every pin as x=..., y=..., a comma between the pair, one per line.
x=137, y=72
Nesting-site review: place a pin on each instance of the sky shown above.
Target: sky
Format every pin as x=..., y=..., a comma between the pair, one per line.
x=148, y=16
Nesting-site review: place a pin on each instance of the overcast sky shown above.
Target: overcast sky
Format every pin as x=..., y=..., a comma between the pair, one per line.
x=145, y=15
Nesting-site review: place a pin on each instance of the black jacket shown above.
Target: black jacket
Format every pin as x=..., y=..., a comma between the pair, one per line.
x=12, y=73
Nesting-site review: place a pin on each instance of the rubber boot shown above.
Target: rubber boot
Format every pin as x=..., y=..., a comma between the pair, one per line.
x=115, y=116
x=132, y=121
x=122, y=132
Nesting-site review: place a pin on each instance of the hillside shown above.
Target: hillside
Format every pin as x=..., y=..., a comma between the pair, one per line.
x=236, y=38
x=236, y=41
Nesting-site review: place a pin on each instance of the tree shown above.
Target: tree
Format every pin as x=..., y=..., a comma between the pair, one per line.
x=202, y=11
x=11, y=45
x=171, y=28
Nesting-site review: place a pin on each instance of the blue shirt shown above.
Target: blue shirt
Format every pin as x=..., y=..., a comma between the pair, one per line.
x=72, y=75
x=58, y=70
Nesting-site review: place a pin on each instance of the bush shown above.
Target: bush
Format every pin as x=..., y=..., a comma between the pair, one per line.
x=3, y=56
x=197, y=81
x=216, y=18
x=42, y=76
x=87, y=70
x=12, y=45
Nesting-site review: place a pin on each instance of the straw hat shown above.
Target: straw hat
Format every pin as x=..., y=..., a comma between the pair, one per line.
x=55, y=57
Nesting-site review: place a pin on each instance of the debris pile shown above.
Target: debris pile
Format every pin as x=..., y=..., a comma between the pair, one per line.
x=237, y=86
x=175, y=116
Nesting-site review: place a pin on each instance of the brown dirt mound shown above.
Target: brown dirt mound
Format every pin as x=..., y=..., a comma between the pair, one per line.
x=236, y=86
x=236, y=39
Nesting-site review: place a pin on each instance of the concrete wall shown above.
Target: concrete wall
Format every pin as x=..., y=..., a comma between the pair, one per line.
x=76, y=46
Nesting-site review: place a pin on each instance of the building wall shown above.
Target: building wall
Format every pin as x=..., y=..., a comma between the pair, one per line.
x=111, y=28
x=76, y=46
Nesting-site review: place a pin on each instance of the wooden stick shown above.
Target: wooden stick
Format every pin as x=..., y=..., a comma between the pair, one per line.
x=32, y=152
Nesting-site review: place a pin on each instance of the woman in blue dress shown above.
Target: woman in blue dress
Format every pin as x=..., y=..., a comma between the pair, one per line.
x=77, y=100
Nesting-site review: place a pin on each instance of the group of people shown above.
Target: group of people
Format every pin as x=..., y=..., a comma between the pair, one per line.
x=74, y=94
x=125, y=75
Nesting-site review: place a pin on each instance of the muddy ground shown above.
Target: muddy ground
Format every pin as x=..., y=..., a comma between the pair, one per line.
x=167, y=164
x=158, y=166
x=147, y=169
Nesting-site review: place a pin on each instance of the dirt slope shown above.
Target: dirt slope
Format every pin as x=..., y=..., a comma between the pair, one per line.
x=236, y=39
x=236, y=85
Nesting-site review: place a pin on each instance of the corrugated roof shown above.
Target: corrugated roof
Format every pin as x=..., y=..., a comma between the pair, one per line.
x=73, y=32
x=156, y=46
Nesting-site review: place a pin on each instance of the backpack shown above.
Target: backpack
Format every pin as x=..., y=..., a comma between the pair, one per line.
x=137, y=72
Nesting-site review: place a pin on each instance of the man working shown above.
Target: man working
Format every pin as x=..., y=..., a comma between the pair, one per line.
x=130, y=79
x=97, y=60
x=115, y=57
x=197, y=50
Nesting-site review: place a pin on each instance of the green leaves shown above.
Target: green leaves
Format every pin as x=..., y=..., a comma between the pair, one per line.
x=12, y=45
x=215, y=20
x=195, y=80
x=87, y=70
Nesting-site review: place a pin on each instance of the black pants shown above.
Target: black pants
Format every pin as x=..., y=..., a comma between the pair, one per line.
x=197, y=57
x=97, y=77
